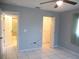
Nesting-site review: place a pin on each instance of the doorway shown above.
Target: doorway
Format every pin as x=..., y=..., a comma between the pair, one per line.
x=48, y=32
x=9, y=25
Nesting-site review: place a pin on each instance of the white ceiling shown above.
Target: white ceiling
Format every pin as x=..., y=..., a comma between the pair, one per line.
x=48, y=6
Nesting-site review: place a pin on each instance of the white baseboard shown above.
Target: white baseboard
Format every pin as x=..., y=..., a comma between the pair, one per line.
x=72, y=52
x=65, y=49
x=56, y=46
x=26, y=50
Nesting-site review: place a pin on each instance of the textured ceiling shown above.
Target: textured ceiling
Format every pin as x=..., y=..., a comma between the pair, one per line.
x=48, y=6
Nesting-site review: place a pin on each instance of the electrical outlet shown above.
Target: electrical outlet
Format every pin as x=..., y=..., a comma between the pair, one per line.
x=34, y=42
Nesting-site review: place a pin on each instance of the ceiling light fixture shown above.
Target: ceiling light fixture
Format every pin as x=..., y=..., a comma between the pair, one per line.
x=59, y=3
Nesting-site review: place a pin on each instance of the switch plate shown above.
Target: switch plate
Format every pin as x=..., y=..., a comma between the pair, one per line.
x=25, y=30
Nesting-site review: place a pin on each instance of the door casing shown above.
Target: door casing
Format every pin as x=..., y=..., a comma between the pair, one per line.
x=12, y=13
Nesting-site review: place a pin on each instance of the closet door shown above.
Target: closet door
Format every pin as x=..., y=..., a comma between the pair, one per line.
x=0, y=36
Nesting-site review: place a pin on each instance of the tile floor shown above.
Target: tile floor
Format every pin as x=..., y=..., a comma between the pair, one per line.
x=55, y=53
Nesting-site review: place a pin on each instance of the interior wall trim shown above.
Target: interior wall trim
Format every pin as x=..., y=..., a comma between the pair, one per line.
x=27, y=50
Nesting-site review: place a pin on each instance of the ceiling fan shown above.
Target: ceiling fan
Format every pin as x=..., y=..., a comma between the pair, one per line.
x=60, y=2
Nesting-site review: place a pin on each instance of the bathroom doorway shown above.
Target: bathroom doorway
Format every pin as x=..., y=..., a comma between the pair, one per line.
x=48, y=32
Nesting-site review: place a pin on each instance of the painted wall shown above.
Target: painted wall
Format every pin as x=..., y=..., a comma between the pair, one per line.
x=65, y=30
x=31, y=19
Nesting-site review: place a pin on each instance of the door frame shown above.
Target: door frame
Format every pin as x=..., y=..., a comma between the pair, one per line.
x=53, y=40
x=17, y=14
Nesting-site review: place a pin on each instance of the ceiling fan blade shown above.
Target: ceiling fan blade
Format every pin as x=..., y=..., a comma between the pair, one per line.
x=56, y=6
x=48, y=1
x=70, y=2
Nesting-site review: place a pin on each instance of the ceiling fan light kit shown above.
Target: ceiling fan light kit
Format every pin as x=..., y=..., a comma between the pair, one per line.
x=59, y=3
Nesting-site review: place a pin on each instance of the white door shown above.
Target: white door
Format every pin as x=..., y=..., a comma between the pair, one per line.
x=48, y=32
x=0, y=37
x=9, y=41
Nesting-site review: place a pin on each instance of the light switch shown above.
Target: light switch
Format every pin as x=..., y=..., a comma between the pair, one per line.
x=25, y=30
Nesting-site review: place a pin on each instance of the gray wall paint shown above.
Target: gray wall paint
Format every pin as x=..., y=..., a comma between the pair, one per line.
x=31, y=19
x=65, y=30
